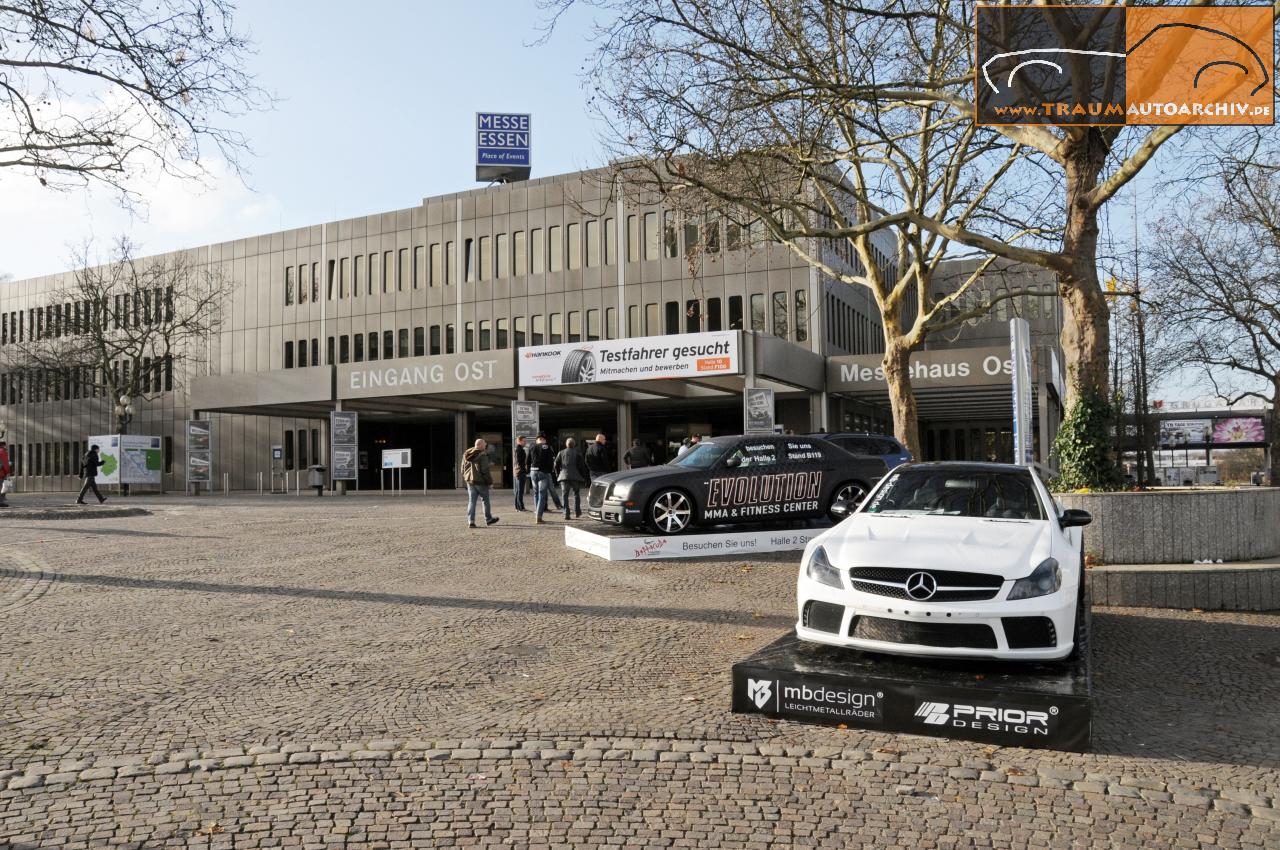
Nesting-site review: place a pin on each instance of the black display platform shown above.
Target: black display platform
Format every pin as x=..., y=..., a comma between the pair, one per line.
x=1032, y=704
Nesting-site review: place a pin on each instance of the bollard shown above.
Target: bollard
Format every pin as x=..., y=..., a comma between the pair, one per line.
x=226, y=484
x=260, y=482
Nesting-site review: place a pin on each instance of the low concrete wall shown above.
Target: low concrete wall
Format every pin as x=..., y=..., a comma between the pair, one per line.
x=1224, y=587
x=1179, y=527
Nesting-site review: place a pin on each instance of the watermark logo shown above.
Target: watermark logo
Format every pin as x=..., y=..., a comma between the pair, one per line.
x=1117, y=65
x=760, y=691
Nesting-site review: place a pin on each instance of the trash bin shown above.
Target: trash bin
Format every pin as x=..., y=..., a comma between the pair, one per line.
x=315, y=478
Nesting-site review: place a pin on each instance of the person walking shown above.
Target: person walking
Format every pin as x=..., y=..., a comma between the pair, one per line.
x=89, y=469
x=477, y=472
x=637, y=457
x=542, y=462
x=600, y=457
x=520, y=471
x=572, y=472
x=5, y=470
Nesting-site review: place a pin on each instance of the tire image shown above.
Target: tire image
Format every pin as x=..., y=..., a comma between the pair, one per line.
x=851, y=491
x=670, y=511
x=579, y=368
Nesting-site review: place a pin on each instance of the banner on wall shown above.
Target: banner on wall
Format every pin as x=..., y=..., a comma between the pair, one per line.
x=700, y=355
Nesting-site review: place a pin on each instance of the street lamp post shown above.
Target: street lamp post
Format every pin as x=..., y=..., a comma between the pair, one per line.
x=124, y=415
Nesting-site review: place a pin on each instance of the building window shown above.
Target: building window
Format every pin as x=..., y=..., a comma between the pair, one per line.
x=419, y=267
x=388, y=270
x=651, y=326
x=371, y=282
x=610, y=323
x=450, y=265
x=538, y=252
x=403, y=350
x=342, y=279
x=692, y=316
x=633, y=321
x=288, y=449
x=303, y=286
x=469, y=260
x=315, y=282
x=518, y=329
x=436, y=267
x=357, y=276
x=468, y=336
x=802, y=315
x=502, y=259
x=359, y=348
x=344, y=349
x=402, y=270
x=485, y=259
x=388, y=345
x=520, y=254
x=329, y=359
x=288, y=296
x=419, y=341
x=556, y=336
x=450, y=345
x=315, y=351
x=302, y=353
x=633, y=238
x=486, y=335
x=302, y=449
x=501, y=326
x=593, y=325
x=757, y=313
x=538, y=328
x=651, y=236
x=330, y=280
x=691, y=238
x=435, y=340
x=670, y=245
x=288, y=355
x=575, y=326
x=555, y=249
x=711, y=236
x=713, y=314
x=373, y=345
x=575, y=245
x=780, y=314
x=610, y=242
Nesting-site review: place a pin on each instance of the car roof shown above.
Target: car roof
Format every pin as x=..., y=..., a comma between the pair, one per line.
x=857, y=434
x=966, y=466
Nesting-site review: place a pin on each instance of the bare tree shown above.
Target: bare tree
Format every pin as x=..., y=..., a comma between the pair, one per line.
x=99, y=90
x=124, y=330
x=1221, y=272
x=699, y=90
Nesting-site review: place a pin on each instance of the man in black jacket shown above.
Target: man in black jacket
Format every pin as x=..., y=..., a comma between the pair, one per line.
x=542, y=463
x=89, y=469
x=637, y=457
x=600, y=457
x=520, y=471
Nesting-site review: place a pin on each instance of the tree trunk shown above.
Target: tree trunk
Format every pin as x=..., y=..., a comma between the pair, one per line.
x=902, y=400
x=1086, y=343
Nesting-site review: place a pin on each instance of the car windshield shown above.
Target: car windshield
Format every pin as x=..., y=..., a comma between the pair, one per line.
x=958, y=492
x=700, y=456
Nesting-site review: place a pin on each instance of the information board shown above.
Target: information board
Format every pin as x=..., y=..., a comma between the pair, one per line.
x=129, y=459
x=524, y=419
x=397, y=458
x=199, y=451
x=344, y=436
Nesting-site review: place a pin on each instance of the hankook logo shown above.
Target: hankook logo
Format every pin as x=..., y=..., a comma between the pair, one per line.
x=759, y=691
x=921, y=586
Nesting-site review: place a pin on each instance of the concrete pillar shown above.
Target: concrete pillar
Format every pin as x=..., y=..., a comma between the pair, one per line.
x=463, y=436
x=1042, y=394
x=625, y=430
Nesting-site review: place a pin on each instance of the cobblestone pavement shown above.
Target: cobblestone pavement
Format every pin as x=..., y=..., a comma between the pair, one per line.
x=365, y=672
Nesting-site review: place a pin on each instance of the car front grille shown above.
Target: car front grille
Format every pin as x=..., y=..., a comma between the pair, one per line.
x=822, y=616
x=1029, y=632
x=595, y=498
x=951, y=635
x=952, y=586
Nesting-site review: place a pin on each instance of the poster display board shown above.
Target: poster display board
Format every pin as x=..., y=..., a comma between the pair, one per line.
x=344, y=437
x=524, y=420
x=1239, y=430
x=1020, y=354
x=129, y=459
x=758, y=410
x=700, y=355
x=1176, y=433
x=199, y=451
x=397, y=458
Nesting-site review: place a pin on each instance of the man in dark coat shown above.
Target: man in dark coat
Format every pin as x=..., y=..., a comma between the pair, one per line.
x=637, y=457
x=600, y=457
x=520, y=471
x=572, y=472
x=542, y=461
x=89, y=469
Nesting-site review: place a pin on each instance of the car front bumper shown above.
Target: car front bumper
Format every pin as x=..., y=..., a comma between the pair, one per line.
x=616, y=512
x=1027, y=629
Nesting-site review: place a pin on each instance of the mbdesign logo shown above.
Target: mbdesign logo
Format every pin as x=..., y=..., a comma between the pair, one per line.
x=934, y=713
x=760, y=691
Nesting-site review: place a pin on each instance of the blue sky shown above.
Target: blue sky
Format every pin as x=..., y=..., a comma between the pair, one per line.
x=377, y=110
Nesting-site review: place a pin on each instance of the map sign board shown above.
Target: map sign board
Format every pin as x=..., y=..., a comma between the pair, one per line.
x=129, y=459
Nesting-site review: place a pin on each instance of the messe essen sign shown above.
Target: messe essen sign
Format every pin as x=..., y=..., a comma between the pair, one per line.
x=957, y=367
x=643, y=358
x=419, y=375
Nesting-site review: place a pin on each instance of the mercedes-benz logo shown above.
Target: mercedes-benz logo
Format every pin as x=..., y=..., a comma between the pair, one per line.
x=921, y=586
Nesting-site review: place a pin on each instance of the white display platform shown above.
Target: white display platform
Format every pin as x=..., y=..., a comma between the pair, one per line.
x=619, y=545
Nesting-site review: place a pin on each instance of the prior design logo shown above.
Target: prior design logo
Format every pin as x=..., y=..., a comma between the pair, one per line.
x=759, y=691
x=934, y=713
x=986, y=717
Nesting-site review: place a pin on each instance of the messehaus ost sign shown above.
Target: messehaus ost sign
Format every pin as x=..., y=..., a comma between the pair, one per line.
x=956, y=367
x=448, y=373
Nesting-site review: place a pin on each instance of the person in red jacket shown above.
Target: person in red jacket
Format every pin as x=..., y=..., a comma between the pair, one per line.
x=5, y=471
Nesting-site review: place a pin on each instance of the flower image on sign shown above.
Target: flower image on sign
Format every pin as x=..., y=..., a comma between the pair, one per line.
x=1243, y=429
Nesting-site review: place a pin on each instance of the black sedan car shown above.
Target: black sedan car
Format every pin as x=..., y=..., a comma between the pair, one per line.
x=729, y=480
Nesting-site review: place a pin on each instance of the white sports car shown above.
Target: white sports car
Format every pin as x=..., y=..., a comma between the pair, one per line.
x=948, y=559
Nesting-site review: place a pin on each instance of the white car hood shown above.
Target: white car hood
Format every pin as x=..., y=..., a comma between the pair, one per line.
x=1007, y=548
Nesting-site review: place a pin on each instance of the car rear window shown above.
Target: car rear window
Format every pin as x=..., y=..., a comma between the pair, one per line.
x=994, y=494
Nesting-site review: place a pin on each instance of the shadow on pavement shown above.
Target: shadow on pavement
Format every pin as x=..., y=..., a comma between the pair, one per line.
x=1180, y=685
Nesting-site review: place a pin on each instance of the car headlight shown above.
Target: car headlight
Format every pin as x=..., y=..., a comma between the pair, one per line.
x=820, y=570
x=620, y=490
x=1044, y=579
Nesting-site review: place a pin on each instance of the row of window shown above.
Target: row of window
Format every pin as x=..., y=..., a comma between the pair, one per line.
x=61, y=458
x=154, y=375
x=300, y=439
x=692, y=317
x=126, y=310
x=555, y=248
x=850, y=330
x=1030, y=307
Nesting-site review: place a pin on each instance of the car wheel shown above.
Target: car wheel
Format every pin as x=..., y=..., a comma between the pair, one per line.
x=671, y=512
x=579, y=368
x=850, y=491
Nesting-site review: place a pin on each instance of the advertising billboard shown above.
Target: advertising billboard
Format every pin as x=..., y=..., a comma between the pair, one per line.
x=129, y=459
x=1176, y=433
x=199, y=451
x=643, y=358
x=758, y=410
x=344, y=436
x=503, y=148
x=524, y=419
x=1239, y=430
x=1020, y=354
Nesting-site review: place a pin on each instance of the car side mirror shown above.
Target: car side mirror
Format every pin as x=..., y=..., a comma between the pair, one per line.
x=843, y=508
x=1073, y=517
x=733, y=462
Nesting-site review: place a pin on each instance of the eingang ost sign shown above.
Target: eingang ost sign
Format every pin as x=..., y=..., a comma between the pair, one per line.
x=700, y=355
